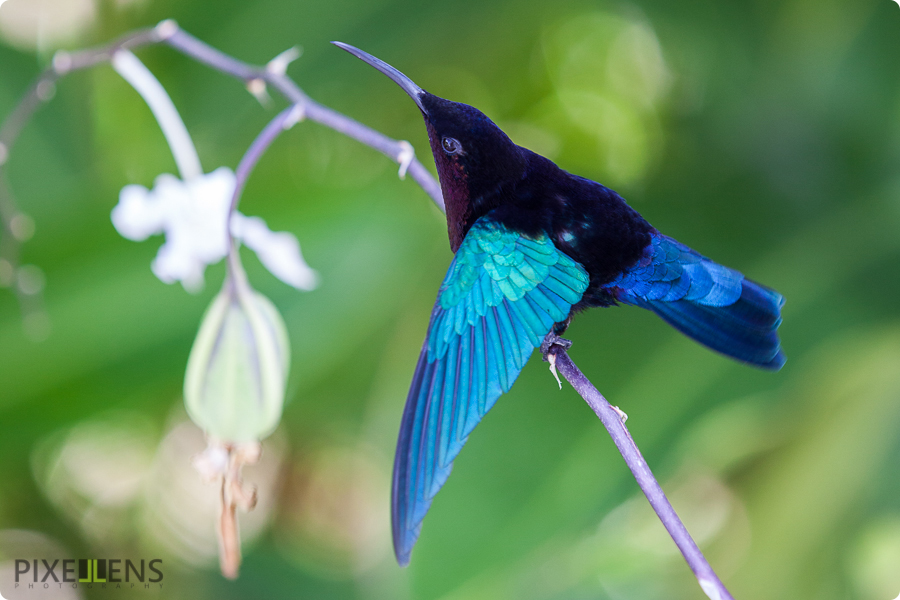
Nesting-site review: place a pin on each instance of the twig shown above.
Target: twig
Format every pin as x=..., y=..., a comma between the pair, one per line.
x=169, y=33
x=313, y=111
x=615, y=425
x=286, y=119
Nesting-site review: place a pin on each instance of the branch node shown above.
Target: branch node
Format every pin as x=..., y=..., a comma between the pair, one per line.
x=405, y=157
x=297, y=114
x=711, y=589
x=279, y=64
x=212, y=463
x=45, y=91
x=257, y=87
x=166, y=29
x=622, y=416
x=62, y=62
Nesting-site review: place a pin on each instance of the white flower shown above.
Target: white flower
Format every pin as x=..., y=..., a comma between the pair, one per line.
x=193, y=211
x=278, y=251
x=193, y=215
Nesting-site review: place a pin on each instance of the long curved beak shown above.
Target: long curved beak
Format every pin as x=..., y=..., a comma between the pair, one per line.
x=414, y=91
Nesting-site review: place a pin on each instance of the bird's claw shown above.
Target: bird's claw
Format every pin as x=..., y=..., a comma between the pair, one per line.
x=551, y=358
x=550, y=340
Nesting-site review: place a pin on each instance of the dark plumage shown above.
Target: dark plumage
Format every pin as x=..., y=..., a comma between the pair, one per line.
x=533, y=245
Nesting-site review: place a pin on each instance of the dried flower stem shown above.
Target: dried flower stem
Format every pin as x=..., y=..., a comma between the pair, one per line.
x=223, y=463
x=229, y=534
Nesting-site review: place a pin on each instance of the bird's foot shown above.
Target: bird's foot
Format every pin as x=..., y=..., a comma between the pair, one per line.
x=552, y=360
x=550, y=340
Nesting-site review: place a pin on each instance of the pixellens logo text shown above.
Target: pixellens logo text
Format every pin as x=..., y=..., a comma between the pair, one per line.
x=92, y=573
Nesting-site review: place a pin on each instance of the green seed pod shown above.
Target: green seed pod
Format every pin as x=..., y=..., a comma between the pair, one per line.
x=238, y=367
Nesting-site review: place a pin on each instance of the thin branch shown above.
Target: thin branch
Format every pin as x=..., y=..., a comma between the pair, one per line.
x=396, y=150
x=169, y=33
x=615, y=425
x=286, y=119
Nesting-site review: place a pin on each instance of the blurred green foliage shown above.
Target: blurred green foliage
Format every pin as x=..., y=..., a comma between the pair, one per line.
x=764, y=134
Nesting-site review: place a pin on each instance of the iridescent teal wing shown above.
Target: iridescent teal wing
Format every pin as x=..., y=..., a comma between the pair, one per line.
x=501, y=296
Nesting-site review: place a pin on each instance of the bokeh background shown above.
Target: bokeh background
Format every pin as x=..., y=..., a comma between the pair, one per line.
x=764, y=134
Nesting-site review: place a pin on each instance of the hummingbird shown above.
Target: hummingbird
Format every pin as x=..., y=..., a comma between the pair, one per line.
x=533, y=246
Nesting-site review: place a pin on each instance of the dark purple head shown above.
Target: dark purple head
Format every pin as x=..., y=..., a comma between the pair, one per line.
x=474, y=158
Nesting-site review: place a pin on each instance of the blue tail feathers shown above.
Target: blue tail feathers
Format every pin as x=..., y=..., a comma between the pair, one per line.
x=708, y=302
x=745, y=330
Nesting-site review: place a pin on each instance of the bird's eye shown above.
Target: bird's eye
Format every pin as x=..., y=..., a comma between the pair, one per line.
x=451, y=145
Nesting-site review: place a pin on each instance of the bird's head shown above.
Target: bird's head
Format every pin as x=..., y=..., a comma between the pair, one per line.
x=474, y=158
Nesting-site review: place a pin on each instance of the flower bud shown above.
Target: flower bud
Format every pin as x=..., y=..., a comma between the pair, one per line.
x=237, y=370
